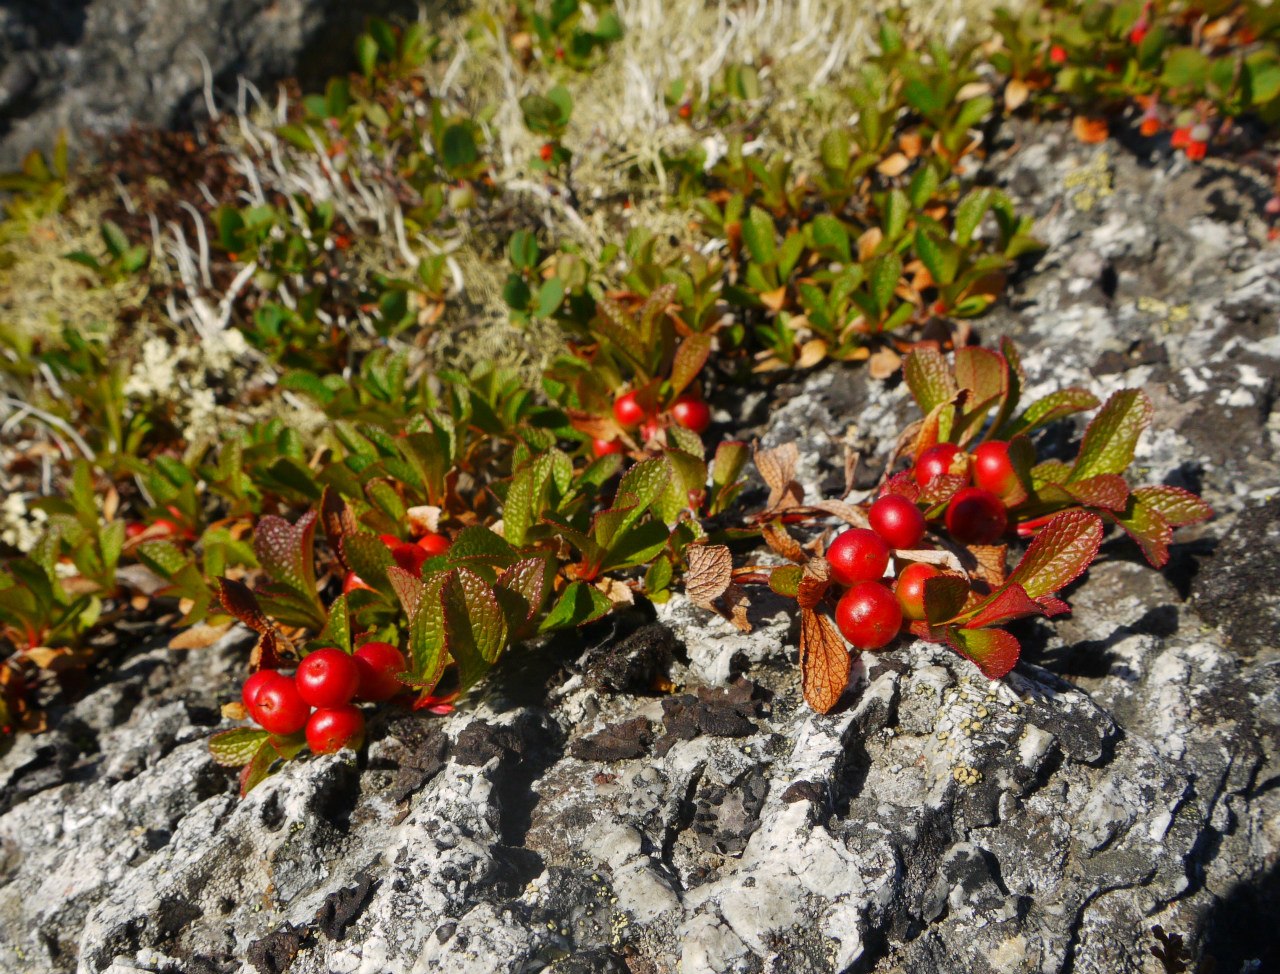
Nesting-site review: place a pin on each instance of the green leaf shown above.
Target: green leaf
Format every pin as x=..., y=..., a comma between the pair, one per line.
x=829, y=234
x=1055, y=406
x=758, y=235
x=1185, y=67
x=523, y=250
x=479, y=544
x=927, y=376
x=885, y=272
x=1179, y=507
x=550, y=294
x=944, y=597
x=896, y=209
x=786, y=580
x=1112, y=435
x=1059, y=554
x=337, y=628
x=969, y=214
x=368, y=557
x=578, y=604
x=1148, y=527
x=940, y=256
x=117, y=243
x=636, y=546
x=521, y=591
x=366, y=54
x=236, y=748
x=476, y=625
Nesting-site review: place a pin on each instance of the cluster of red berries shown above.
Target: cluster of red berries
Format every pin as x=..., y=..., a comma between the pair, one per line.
x=689, y=411
x=327, y=680
x=870, y=614
x=1192, y=139
x=409, y=555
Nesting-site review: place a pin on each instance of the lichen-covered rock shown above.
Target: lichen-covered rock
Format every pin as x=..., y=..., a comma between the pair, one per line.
x=571, y=818
x=95, y=66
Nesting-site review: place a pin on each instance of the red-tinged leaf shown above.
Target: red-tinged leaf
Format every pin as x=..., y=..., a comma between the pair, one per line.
x=270, y=751
x=428, y=637
x=927, y=376
x=903, y=484
x=1022, y=457
x=944, y=598
x=825, y=662
x=337, y=520
x=1053, y=606
x=994, y=651
x=521, y=590
x=1148, y=527
x=934, y=428
x=476, y=626
x=930, y=634
x=1060, y=553
x=984, y=373
x=240, y=602
x=1112, y=435
x=1055, y=406
x=1107, y=491
x=236, y=748
x=689, y=359
x=1179, y=507
x=1015, y=378
x=286, y=552
x=1008, y=603
x=367, y=556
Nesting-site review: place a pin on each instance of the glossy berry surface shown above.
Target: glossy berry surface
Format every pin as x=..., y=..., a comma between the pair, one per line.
x=628, y=411
x=602, y=448
x=934, y=462
x=693, y=414
x=327, y=678
x=330, y=729
x=993, y=470
x=410, y=557
x=976, y=516
x=897, y=520
x=378, y=664
x=433, y=544
x=909, y=589
x=868, y=615
x=279, y=708
x=857, y=555
x=134, y=528
x=249, y=692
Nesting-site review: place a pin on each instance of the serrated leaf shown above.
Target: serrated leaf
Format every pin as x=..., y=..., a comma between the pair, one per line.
x=337, y=628
x=424, y=605
x=1112, y=435
x=1055, y=406
x=825, y=661
x=758, y=235
x=1108, y=491
x=928, y=378
x=367, y=556
x=969, y=214
x=476, y=626
x=1060, y=553
x=286, y=552
x=1148, y=527
x=994, y=651
x=479, y=544
x=521, y=591
x=1005, y=604
x=242, y=604
x=710, y=573
x=236, y=748
x=1177, y=506
x=689, y=359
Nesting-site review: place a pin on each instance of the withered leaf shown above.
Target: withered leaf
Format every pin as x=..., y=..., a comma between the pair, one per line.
x=884, y=363
x=778, y=468
x=992, y=563
x=814, y=583
x=779, y=539
x=825, y=661
x=200, y=636
x=710, y=573
x=849, y=513
x=736, y=603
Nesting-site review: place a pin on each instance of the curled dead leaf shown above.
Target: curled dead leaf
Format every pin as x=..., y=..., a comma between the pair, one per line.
x=992, y=563
x=235, y=710
x=1090, y=130
x=869, y=242
x=814, y=583
x=779, y=539
x=884, y=363
x=774, y=300
x=811, y=353
x=894, y=165
x=619, y=593
x=778, y=468
x=849, y=513
x=1016, y=94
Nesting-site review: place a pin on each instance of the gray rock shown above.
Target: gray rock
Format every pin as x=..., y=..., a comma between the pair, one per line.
x=1120, y=780
x=95, y=66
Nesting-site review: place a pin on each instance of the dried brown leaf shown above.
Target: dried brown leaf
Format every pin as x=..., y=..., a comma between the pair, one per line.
x=779, y=539
x=736, y=604
x=710, y=573
x=884, y=363
x=825, y=662
x=778, y=468
x=814, y=583
x=849, y=513
x=992, y=563
x=200, y=636
x=235, y=710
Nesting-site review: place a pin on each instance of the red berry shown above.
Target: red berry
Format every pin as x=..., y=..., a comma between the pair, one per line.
x=897, y=520
x=433, y=544
x=391, y=541
x=332, y=728
x=378, y=664
x=353, y=582
x=1150, y=126
x=628, y=411
x=256, y=682
x=1138, y=33
x=650, y=430
x=134, y=528
x=278, y=707
x=993, y=470
x=327, y=678
x=166, y=526
x=685, y=110
x=909, y=589
x=409, y=557
x=1181, y=137
x=869, y=615
x=934, y=462
x=857, y=555
x=691, y=413
x=1196, y=151
x=1058, y=54
x=603, y=448
x=976, y=516
x=547, y=151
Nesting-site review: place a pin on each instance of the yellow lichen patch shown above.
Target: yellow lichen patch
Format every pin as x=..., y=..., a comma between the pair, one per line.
x=1091, y=182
